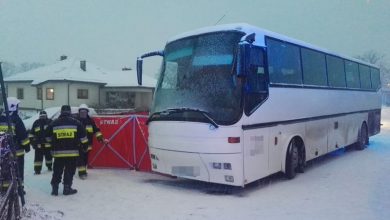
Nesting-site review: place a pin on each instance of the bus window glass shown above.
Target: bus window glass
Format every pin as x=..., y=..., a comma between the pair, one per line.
x=256, y=86
x=365, y=80
x=352, y=74
x=375, y=78
x=314, y=69
x=284, y=63
x=336, y=73
x=198, y=73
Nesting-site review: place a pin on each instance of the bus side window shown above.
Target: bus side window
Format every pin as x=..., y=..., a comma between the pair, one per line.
x=256, y=83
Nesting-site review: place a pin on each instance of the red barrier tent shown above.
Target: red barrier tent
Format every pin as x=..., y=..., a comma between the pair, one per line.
x=127, y=143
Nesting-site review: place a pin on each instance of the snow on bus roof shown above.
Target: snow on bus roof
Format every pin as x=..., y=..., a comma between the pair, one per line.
x=260, y=34
x=70, y=70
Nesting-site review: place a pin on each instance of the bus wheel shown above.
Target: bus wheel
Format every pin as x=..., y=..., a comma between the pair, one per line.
x=362, y=138
x=292, y=159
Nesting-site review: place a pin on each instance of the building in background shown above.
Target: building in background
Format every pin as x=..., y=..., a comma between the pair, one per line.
x=74, y=81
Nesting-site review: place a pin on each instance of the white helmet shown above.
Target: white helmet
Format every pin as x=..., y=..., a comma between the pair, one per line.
x=83, y=106
x=13, y=104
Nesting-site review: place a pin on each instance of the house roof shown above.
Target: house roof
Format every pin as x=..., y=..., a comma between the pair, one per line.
x=69, y=69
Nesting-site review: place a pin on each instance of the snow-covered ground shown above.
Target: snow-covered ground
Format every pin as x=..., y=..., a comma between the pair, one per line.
x=343, y=185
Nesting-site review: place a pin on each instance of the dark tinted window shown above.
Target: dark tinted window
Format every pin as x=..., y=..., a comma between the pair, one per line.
x=352, y=74
x=256, y=86
x=375, y=78
x=336, y=73
x=20, y=93
x=284, y=62
x=365, y=79
x=314, y=69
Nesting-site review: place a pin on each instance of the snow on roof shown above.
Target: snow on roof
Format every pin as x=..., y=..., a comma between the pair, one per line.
x=128, y=79
x=70, y=70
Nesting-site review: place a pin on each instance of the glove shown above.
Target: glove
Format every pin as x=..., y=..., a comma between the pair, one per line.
x=27, y=148
x=100, y=138
x=85, y=148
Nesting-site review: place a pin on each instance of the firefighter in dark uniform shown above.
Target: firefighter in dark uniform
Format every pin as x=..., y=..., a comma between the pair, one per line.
x=38, y=141
x=67, y=137
x=5, y=169
x=91, y=130
x=20, y=135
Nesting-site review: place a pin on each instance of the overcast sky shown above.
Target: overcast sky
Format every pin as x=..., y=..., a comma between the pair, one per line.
x=112, y=33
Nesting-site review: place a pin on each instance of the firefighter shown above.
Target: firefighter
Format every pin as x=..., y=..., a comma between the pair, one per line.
x=67, y=136
x=39, y=143
x=91, y=130
x=5, y=170
x=20, y=135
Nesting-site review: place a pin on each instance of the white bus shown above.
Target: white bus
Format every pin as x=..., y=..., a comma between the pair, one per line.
x=236, y=103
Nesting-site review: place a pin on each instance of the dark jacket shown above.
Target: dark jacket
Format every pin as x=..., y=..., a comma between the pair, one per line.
x=38, y=133
x=67, y=136
x=91, y=129
x=20, y=135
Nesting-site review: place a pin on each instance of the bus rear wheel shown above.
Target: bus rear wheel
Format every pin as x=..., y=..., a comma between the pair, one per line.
x=292, y=159
x=362, y=138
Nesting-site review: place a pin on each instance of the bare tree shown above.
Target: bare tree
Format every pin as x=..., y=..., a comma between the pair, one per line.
x=378, y=59
x=372, y=57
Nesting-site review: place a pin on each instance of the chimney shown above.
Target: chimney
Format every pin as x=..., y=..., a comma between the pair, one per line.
x=83, y=65
x=126, y=68
x=63, y=57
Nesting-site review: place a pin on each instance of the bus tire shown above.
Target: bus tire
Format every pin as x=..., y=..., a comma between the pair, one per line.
x=362, y=138
x=292, y=159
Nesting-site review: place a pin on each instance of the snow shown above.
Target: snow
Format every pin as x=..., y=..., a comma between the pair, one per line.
x=70, y=70
x=341, y=185
x=260, y=36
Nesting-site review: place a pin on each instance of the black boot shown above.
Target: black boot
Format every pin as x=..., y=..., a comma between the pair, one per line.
x=54, y=190
x=68, y=190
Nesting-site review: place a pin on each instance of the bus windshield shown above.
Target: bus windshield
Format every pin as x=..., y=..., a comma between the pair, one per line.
x=198, y=73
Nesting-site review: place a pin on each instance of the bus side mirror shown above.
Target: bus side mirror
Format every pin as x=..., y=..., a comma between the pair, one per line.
x=139, y=71
x=243, y=59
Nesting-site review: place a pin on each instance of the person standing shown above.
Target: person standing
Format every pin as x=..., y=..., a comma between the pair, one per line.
x=91, y=130
x=20, y=135
x=67, y=137
x=38, y=141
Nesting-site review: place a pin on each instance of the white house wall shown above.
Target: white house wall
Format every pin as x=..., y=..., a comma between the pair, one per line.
x=29, y=100
x=93, y=94
x=61, y=94
x=143, y=96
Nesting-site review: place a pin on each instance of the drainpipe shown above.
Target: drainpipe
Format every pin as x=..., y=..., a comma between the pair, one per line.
x=68, y=94
x=41, y=98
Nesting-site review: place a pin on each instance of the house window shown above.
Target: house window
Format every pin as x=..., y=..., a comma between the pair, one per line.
x=39, y=93
x=82, y=93
x=49, y=94
x=121, y=99
x=20, y=93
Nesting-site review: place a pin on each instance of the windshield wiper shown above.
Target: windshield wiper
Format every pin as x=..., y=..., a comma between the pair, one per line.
x=179, y=110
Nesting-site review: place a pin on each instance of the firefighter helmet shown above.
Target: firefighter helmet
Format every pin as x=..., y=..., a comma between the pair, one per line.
x=13, y=104
x=83, y=107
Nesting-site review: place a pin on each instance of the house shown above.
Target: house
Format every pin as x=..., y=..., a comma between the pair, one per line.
x=73, y=81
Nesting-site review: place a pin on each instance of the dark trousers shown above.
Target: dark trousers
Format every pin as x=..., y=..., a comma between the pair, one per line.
x=66, y=165
x=82, y=163
x=20, y=161
x=38, y=159
x=6, y=177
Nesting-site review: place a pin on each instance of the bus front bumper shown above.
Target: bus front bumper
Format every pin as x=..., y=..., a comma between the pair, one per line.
x=215, y=168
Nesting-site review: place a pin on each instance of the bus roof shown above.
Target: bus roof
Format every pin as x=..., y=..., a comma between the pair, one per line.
x=260, y=36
